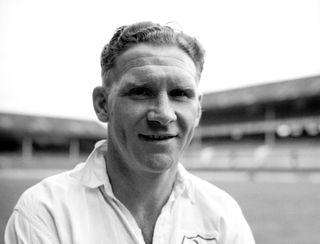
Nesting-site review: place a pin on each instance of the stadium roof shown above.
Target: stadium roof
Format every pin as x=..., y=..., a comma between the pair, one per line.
x=20, y=124
x=266, y=93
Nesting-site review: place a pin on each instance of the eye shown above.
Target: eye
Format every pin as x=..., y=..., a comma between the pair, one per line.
x=181, y=93
x=139, y=92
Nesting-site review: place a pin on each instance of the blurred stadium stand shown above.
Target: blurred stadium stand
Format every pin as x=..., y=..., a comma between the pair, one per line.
x=28, y=141
x=272, y=127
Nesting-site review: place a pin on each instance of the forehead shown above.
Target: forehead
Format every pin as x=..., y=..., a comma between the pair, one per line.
x=144, y=56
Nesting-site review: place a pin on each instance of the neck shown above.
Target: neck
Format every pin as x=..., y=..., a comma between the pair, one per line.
x=140, y=191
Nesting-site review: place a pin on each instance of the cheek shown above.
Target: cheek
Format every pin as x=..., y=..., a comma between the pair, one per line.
x=188, y=120
x=125, y=115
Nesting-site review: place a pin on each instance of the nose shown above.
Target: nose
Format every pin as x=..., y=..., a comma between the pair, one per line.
x=162, y=111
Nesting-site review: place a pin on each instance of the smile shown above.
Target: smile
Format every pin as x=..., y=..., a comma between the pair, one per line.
x=156, y=137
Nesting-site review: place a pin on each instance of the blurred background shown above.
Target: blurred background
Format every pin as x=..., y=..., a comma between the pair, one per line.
x=259, y=136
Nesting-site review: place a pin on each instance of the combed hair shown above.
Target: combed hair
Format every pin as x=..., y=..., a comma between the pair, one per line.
x=148, y=32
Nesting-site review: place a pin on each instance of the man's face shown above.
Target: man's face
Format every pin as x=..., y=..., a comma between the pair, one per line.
x=153, y=107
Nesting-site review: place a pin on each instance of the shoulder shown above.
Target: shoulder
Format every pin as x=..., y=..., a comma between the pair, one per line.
x=212, y=198
x=34, y=216
x=49, y=191
x=221, y=210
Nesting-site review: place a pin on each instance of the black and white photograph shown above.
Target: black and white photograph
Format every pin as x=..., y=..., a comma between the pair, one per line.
x=168, y=122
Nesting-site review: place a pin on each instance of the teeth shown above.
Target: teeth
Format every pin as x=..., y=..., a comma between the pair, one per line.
x=155, y=137
x=158, y=137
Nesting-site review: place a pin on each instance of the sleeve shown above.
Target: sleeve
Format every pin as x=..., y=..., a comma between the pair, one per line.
x=23, y=230
x=244, y=234
x=237, y=229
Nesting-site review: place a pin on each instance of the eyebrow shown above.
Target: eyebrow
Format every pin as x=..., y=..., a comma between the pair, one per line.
x=146, y=83
x=133, y=84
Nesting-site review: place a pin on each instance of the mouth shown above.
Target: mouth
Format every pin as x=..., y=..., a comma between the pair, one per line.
x=156, y=137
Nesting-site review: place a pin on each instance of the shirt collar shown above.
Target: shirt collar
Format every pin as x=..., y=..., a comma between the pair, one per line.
x=183, y=185
x=94, y=174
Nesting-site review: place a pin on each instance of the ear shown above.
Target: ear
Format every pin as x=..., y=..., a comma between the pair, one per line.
x=199, y=110
x=100, y=103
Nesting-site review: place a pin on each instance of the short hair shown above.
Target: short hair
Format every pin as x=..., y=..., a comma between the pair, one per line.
x=148, y=32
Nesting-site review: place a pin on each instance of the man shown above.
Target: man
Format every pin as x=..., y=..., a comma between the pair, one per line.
x=132, y=188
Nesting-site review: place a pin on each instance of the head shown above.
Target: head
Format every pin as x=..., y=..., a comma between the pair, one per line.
x=150, y=95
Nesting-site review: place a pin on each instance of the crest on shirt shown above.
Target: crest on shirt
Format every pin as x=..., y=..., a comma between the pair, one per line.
x=198, y=239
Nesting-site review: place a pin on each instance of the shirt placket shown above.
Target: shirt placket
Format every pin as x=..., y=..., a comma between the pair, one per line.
x=161, y=233
x=126, y=218
x=132, y=225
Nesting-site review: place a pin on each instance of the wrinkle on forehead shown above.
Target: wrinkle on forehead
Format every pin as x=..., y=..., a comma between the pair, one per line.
x=148, y=55
x=123, y=67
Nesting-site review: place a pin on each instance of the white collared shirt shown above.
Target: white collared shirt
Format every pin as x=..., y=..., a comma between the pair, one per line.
x=78, y=206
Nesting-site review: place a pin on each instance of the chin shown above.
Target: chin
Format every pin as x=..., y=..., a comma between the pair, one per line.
x=159, y=164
